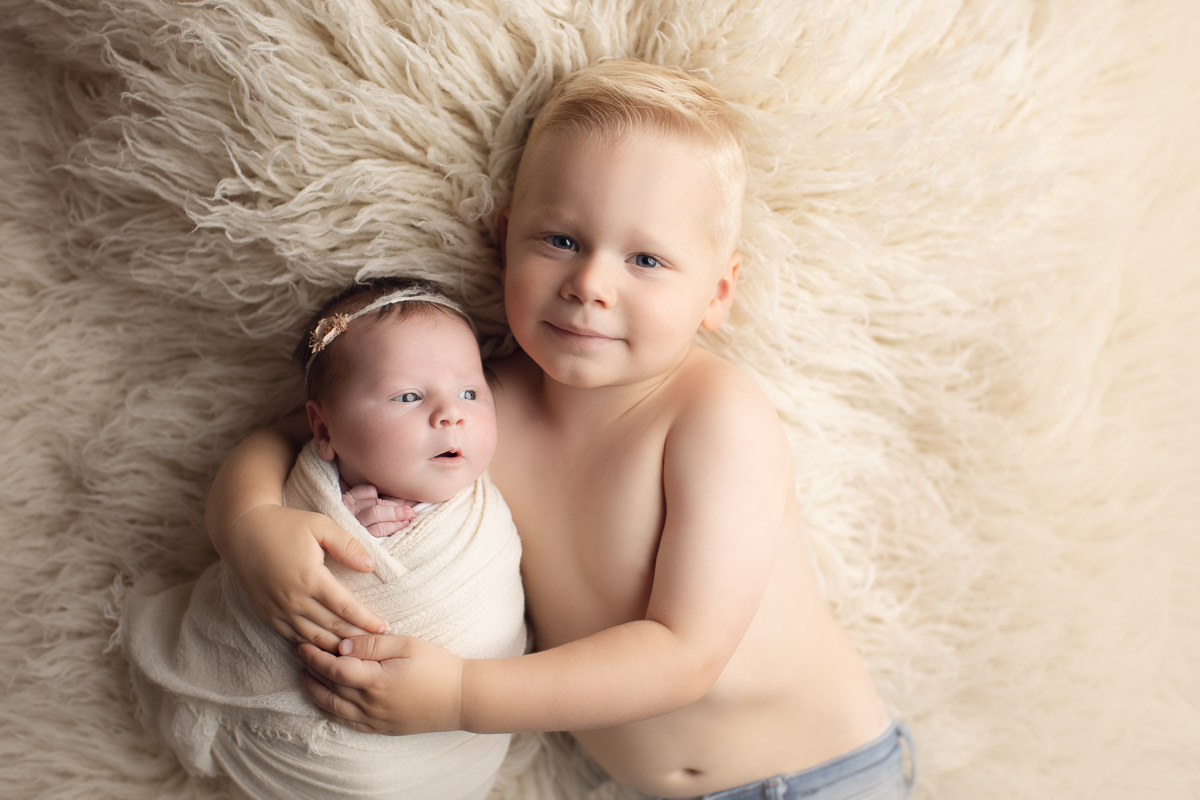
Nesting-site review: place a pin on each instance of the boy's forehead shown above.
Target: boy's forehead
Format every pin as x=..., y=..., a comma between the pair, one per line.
x=572, y=139
x=566, y=177
x=546, y=157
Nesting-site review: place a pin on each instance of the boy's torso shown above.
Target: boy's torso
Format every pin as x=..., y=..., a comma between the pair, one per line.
x=589, y=508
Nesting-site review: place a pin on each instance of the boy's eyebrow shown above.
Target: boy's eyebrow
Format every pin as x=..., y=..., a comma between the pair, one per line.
x=553, y=215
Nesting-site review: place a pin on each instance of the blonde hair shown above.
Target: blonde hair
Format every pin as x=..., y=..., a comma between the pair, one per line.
x=612, y=99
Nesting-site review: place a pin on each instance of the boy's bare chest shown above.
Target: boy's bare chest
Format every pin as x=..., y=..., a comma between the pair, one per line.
x=590, y=517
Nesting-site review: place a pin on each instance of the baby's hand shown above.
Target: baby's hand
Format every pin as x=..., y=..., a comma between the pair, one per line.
x=380, y=514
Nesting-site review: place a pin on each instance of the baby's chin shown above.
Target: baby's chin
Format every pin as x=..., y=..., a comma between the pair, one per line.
x=432, y=494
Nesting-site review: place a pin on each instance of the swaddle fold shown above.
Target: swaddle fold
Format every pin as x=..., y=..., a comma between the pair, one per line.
x=224, y=691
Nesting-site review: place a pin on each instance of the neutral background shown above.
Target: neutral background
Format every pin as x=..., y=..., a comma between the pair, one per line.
x=972, y=260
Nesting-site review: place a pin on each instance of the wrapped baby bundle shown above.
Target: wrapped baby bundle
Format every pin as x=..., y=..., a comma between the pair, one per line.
x=224, y=689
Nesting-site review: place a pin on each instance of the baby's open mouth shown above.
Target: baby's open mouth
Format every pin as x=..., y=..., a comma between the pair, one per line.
x=448, y=454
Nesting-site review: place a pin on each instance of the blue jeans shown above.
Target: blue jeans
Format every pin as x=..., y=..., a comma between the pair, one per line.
x=874, y=771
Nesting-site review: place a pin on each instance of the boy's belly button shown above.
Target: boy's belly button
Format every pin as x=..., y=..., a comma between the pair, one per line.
x=686, y=775
x=684, y=782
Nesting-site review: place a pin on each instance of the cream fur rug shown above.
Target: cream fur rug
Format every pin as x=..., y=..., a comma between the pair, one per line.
x=972, y=267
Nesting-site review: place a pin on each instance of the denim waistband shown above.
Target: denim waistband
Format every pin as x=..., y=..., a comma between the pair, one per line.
x=891, y=743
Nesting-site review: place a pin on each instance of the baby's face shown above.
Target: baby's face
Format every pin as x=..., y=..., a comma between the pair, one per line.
x=412, y=412
x=611, y=261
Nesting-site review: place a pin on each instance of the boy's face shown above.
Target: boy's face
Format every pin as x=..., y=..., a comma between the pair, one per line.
x=610, y=264
x=412, y=413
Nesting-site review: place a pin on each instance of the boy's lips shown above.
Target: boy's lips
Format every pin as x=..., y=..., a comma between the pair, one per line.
x=449, y=456
x=579, y=336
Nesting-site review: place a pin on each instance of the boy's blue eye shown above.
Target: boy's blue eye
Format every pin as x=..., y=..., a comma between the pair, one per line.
x=408, y=397
x=646, y=262
x=467, y=394
x=561, y=242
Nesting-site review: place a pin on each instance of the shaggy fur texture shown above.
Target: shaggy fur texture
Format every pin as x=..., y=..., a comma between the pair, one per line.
x=971, y=267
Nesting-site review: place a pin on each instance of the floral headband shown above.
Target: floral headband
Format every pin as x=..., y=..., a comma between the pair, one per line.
x=333, y=326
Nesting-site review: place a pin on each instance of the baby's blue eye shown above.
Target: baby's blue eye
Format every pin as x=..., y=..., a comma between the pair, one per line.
x=467, y=394
x=645, y=261
x=561, y=242
x=408, y=397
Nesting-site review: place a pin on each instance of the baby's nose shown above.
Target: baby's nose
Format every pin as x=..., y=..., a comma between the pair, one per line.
x=447, y=415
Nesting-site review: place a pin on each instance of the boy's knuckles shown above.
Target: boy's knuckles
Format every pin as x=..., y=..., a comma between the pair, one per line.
x=323, y=640
x=344, y=609
x=334, y=704
x=340, y=672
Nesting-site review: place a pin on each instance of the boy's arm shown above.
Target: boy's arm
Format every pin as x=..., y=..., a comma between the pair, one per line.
x=713, y=563
x=277, y=554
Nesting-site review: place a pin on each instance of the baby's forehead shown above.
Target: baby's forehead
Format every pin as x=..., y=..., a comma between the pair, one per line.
x=438, y=342
x=397, y=320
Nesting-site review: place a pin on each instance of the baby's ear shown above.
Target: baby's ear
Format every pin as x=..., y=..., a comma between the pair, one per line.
x=722, y=299
x=320, y=430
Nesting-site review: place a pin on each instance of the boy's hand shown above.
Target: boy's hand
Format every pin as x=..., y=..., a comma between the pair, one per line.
x=280, y=565
x=387, y=684
x=381, y=515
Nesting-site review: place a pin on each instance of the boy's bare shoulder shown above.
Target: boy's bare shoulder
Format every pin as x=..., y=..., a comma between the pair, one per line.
x=720, y=402
x=723, y=383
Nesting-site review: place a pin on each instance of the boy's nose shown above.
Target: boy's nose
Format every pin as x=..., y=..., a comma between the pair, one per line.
x=589, y=282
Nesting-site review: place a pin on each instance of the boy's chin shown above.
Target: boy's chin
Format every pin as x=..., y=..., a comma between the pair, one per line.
x=579, y=379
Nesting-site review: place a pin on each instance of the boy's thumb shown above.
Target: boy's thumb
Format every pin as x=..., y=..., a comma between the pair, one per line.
x=374, y=648
x=345, y=549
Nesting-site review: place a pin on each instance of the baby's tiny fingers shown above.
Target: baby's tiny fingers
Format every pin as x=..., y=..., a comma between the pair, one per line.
x=382, y=530
x=381, y=513
x=364, y=491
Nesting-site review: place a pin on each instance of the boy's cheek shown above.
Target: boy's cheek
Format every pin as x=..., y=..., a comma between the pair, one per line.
x=502, y=241
x=516, y=291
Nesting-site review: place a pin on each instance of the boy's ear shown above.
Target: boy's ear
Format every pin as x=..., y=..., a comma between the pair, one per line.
x=320, y=430
x=502, y=240
x=722, y=299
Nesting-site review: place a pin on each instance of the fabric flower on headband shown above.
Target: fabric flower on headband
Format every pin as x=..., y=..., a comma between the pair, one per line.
x=328, y=329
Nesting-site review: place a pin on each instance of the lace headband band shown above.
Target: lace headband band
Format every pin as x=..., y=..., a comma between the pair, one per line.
x=333, y=326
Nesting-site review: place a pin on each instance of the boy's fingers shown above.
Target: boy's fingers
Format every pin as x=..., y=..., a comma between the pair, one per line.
x=316, y=659
x=335, y=707
x=349, y=617
x=321, y=637
x=343, y=676
x=343, y=547
x=324, y=695
x=287, y=630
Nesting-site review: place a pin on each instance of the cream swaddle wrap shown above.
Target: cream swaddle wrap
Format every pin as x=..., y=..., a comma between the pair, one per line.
x=224, y=689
